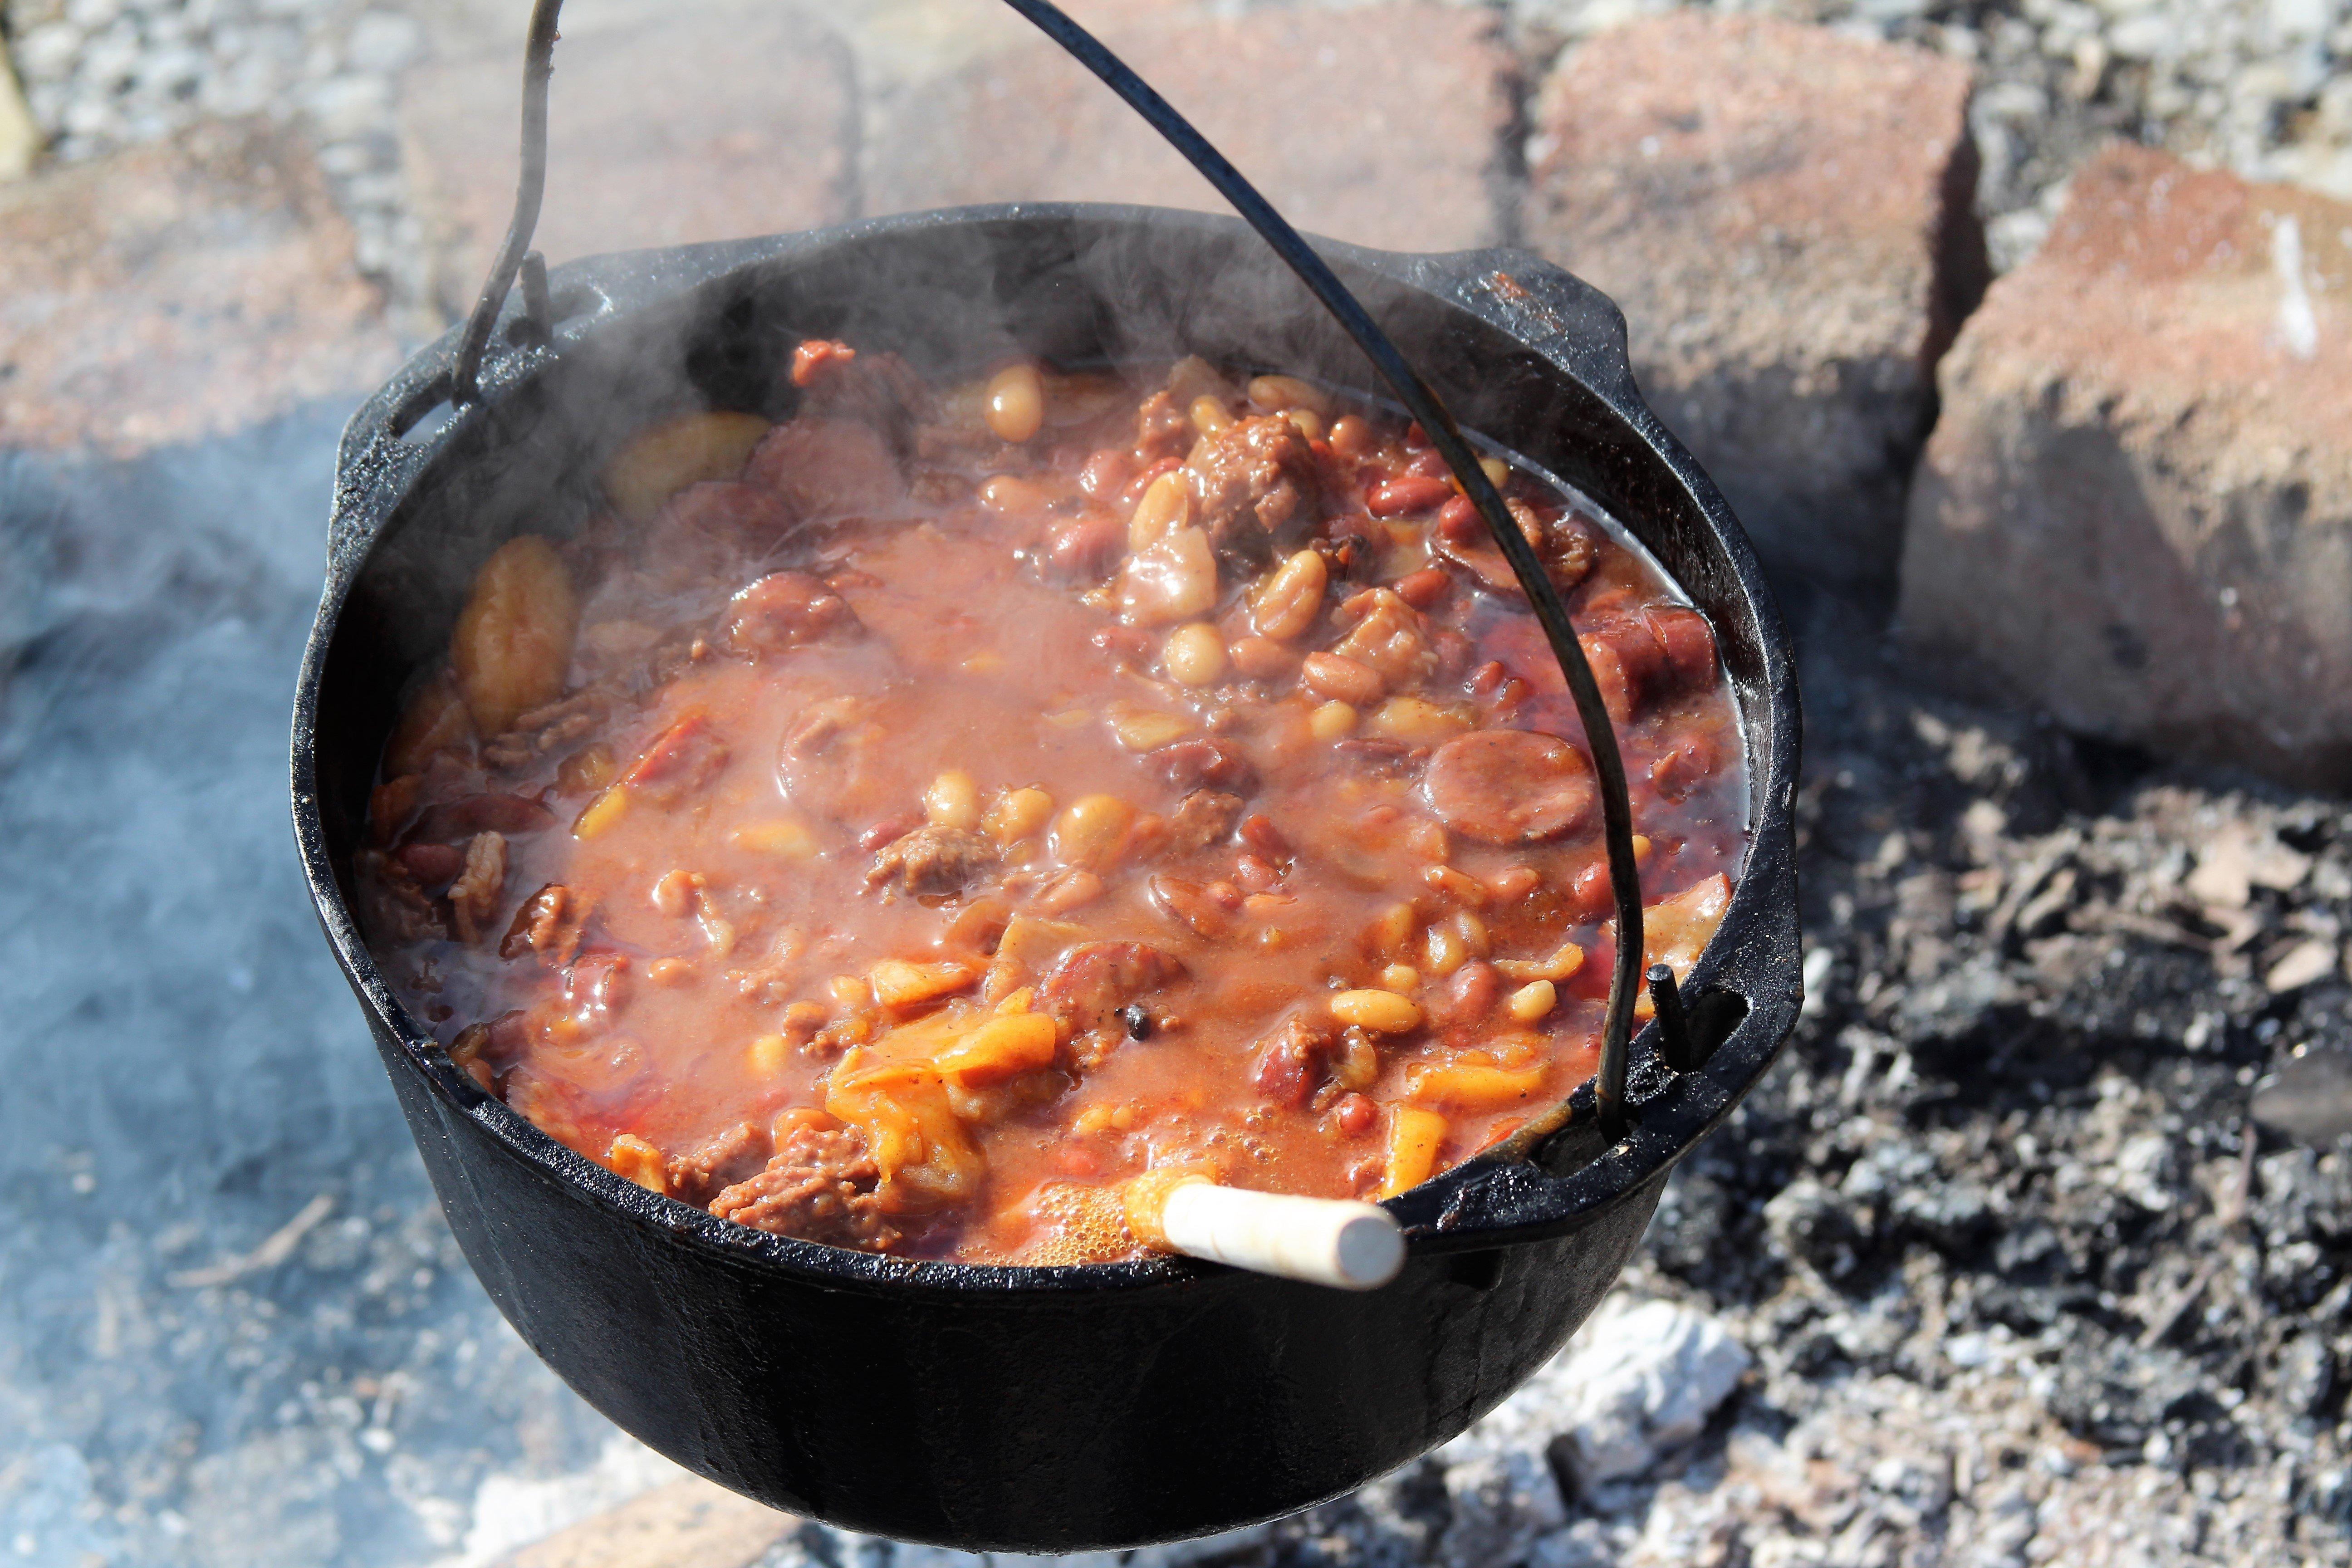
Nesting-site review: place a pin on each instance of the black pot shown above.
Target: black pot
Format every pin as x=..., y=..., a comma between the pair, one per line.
x=1032, y=1409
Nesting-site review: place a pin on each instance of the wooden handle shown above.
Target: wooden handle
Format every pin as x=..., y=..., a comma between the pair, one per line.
x=1323, y=1241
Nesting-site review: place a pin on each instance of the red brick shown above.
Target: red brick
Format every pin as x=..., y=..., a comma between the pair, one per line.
x=1381, y=126
x=1784, y=213
x=2136, y=509
x=713, y=123
x=174, y=293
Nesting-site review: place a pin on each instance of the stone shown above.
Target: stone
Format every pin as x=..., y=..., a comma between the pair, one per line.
x=2135, y=513
x=178, y=291
x=1784, y=213
x=1380, y=126
x=685, y=1522
x=715, y=122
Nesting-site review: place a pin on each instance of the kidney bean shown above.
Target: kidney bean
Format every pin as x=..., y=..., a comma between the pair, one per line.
x=1105, y=473
x=1132, y=491
x=432, y=864
x=1458, y=522
x=1355, y=1115
x=1406, y=493
x=1084, y=549
x=1425, y=587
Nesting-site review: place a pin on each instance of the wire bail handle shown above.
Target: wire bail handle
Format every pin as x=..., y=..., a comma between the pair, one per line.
x=1419, y=400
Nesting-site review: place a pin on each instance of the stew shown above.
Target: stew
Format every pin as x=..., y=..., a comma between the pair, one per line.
x=904, y=825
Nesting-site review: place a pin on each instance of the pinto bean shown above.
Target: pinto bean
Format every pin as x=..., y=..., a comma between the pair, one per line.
x=1341, y=679
x=1511, y=786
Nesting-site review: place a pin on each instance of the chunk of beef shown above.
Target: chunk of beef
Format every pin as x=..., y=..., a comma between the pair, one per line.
x=1206, y=763
x=393, y=906
x=1205, y=817
x=550, y=924
x=1163, y=428
x=1205, y=909
x=719, y=1161
x=1093, y=980
x=474, y=896
x=1291, y=1061
x=879, y=390
x=825, y=469
x=1256, y=482
x=817, y=1186
x=785, y=610
x=932, y=861
x=719, y=518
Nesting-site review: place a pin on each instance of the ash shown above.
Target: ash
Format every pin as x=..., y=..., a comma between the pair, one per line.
x=1994, y=1268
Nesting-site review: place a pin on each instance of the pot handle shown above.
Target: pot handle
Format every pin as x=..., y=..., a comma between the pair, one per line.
x=1419, y=399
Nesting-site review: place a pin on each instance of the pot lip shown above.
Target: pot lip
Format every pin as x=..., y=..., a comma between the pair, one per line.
x=1483, y=1204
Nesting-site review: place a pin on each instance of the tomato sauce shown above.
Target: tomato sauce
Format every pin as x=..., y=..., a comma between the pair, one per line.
x=903, y=826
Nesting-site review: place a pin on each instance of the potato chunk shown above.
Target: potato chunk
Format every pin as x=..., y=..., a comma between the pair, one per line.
x=512, y=644
x=671, y=456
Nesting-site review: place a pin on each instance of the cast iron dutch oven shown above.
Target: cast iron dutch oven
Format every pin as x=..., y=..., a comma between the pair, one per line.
x=1030, y=1409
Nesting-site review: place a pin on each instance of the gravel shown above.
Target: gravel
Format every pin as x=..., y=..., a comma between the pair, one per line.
x=2264, y=87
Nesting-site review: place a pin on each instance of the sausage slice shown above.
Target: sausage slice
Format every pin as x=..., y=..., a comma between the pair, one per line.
x=1511, y=786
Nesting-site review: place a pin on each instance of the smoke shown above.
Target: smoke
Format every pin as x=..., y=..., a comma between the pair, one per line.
x=185, y=1071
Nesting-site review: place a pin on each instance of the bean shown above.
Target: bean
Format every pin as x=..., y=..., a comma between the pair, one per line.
x=1390, y=930
x=952, y=801
x=1332, y=721
x=1194, y=655
x=1091, y=830
x=1105, y=472
x=1458, y=522
x=1165, y=506
x=1286, y=603
x=1015, y=403
x=1146, y=729
x=1425, y=587
x=1306, y=421
x=1083, y=548
x=1210, y=414
x=1341, y=679
x=1261, y=658
x=1416, y=721
x=1352, y=438
x=1498, y=472
x=1280, y=394
x=1512, y=883
x=670, y=971
x=1007, y=495
x=770, y=1055
x=1016, y=814
x=511, y=647
x=1401, y=978
x=1472, y=993
x=1407, y=493
x=1443, y=950
x=1381, y=1012
x=1355, y=1115
x=1533, y=1001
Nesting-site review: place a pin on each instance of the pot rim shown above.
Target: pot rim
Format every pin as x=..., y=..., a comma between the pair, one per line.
x=1482, y=1203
